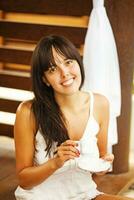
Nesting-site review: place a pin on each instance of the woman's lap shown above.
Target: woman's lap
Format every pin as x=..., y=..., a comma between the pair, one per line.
x=111, y=197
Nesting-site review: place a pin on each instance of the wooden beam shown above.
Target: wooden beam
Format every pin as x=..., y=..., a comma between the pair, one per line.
x=6, y=130
x=15, y=55
x=33, y=32
x=7, y=105
x=17, y=80
x=57, y=7
x=121, y=15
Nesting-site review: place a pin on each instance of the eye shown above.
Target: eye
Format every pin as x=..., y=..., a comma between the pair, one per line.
x=52, y=69
x=69, y=62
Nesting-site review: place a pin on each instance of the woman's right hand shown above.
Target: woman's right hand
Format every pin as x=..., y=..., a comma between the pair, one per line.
x=66, y=151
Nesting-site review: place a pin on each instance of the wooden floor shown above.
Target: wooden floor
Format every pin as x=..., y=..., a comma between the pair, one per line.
x=8, y=179
x=109, y=183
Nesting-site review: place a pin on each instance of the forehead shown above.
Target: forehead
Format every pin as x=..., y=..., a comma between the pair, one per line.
x=58, y=57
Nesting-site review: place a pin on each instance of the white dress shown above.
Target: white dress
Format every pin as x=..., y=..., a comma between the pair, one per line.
x=68, y=182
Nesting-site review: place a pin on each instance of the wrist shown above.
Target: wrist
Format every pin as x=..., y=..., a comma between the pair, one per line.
x=54, y=164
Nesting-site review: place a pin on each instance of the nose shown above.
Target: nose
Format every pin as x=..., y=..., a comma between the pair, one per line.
x=64, y=71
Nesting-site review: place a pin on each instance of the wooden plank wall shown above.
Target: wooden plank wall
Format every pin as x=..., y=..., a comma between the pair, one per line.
x=22, y=23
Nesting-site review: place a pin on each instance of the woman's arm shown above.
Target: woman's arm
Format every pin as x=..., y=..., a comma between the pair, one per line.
x=30, y=175
x=102, y=116
x=103, y=119
x=24, y=134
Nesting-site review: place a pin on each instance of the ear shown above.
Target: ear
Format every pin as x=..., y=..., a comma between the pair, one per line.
x=45, y=81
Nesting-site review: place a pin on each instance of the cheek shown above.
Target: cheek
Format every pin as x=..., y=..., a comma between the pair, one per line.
x=76, y=70
x=78, y=74
x=52, y=79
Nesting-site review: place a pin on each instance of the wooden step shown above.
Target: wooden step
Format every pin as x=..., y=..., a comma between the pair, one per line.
x=15, y=55
x=6, y=130
x=33, y=31
x=57, y=7
x=17, y=80
x=7, y=105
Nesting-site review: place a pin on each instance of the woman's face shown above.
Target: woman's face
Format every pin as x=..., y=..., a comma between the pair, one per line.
x=65, y=76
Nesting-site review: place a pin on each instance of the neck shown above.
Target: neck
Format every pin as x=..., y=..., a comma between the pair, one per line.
x=70, y=102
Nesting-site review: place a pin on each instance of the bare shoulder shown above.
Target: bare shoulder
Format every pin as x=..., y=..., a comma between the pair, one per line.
x=24, y=107
x=101, y=108
x=24, y=135
x=101, y=101
x=24, y=114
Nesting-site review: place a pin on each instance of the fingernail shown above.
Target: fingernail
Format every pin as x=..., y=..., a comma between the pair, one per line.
x=78, y=152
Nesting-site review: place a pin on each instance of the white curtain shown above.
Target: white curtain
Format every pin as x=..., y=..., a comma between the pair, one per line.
x=101, y=64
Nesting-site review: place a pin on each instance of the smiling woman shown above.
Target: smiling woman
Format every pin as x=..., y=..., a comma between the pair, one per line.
x=64, y=76
x=49, y=127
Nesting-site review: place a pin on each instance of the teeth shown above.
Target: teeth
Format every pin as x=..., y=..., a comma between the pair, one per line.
x=68, y=82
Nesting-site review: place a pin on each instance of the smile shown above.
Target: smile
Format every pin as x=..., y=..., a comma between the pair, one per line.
x=68, y=82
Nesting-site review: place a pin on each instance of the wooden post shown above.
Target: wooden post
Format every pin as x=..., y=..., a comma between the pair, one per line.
x=121, y=16
x=1, y=38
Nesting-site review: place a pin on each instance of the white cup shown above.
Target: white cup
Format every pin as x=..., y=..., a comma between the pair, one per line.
x=84, y=147
x=78, y=146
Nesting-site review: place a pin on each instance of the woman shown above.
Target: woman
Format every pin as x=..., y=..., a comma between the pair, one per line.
x=49, y=128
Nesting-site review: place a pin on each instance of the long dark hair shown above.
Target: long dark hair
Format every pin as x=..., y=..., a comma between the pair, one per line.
x=49, y=117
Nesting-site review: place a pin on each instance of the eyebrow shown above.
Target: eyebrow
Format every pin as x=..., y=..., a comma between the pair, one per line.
x=68, y=59
x=65, y=59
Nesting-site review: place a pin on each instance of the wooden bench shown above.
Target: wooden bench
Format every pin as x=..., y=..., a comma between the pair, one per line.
x=22, y=24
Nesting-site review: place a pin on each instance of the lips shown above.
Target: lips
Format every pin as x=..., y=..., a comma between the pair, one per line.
x=68, y=82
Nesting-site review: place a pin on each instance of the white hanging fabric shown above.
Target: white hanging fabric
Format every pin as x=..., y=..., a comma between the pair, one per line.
x=101, y=64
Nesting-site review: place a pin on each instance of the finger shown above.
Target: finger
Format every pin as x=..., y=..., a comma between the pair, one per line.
x=68, y=148
x=109, y=157
x=69, y=142
x=61, y=153
x=68, y=157
x=71, y=153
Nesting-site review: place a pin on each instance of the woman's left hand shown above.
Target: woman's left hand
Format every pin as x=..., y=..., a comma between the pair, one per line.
x=109, y=158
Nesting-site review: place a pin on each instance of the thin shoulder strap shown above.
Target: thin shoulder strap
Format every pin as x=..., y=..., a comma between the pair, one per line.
x=91, y=103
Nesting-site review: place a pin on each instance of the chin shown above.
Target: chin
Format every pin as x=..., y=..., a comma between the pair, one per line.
x=71, y=92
